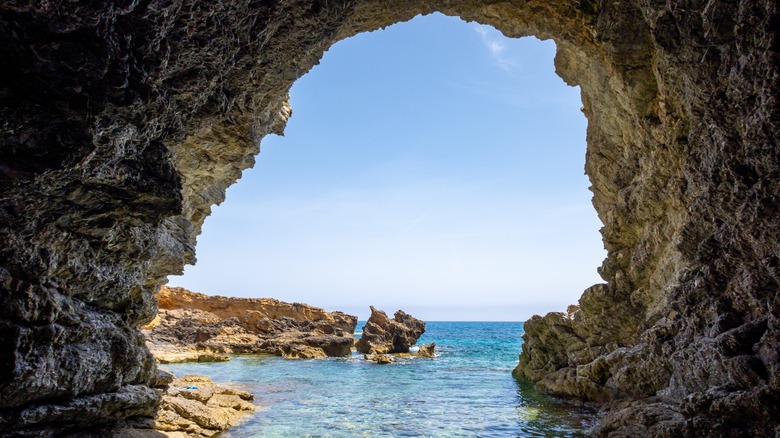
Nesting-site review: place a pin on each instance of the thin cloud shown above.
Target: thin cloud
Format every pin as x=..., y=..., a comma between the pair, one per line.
x=494, y=43
x=417, y=220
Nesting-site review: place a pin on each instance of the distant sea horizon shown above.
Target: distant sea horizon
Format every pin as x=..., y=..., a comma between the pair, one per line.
x=423, y=310
x=454, y=313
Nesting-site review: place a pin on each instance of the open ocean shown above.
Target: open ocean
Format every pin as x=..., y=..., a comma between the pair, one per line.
x=467, y=390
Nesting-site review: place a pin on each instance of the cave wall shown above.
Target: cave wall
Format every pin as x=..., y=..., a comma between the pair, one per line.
x=123, y=122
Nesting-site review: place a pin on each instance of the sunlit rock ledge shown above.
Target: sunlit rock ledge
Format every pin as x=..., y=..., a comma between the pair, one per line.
x=195, y=327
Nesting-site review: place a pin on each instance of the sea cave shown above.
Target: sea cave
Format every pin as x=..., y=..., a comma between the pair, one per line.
x=124, y=122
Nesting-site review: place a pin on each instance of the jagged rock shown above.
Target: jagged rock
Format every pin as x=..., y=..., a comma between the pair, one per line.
x=206, y=328
x=256, y=314
x=124, y=122
x=382, y=335
x=427, y=350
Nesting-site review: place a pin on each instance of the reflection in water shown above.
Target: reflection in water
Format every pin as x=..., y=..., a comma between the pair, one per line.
x=541, y=415
x=466, y=391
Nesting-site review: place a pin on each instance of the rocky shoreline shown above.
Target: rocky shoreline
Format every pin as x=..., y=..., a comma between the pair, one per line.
x=195, y=327
x=194, y=406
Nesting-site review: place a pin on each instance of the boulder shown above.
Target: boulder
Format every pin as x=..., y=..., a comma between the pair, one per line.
x=382, y=335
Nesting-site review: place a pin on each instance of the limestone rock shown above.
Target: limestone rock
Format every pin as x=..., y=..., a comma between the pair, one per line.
x=427, y=350
x=295, y=351
x=123, y=123
x=257, y=314
x=382, y=335
x=176, y=353
x=381, y=359
x=194, y=405
x=164, y=378
x=206, y=328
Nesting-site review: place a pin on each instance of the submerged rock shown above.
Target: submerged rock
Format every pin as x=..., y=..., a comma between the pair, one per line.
x=196, y=327
x=427, y=350
x=382, y=335
x=381, y=359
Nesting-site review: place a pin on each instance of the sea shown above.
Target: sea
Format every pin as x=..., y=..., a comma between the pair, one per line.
x=467, y=390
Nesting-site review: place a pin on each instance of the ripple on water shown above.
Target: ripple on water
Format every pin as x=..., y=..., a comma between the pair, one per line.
x=466, y=391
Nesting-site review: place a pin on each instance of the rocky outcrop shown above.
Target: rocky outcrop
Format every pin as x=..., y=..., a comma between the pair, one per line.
x=427, y=350
x=196, y=327
x=382, y=335
x=255, y=313
x=124, y=122
x=197, y=407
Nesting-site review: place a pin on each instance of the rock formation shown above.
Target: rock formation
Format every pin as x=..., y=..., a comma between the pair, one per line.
x=195, y=327
x=427, y=350
x=197, y=407
x=382, y=335
x=123, y=122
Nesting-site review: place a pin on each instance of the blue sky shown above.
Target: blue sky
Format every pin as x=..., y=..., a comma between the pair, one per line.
x=434, y=166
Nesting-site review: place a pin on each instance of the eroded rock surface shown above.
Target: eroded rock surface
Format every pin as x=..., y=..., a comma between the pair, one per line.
x=381, y=359
x=383, y=335
x=427, y=350
x=195, y=327
x=123, y=122
x=196, y=406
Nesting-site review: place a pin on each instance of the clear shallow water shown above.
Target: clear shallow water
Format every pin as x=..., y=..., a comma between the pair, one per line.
x=467, y=390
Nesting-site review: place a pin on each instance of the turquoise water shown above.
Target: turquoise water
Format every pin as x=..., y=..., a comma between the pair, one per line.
x=467, y=390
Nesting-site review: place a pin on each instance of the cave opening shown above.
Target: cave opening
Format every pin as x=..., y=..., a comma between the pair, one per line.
x=124, y=125
x=435, y=166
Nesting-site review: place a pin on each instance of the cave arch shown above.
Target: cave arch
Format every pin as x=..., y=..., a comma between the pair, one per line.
x=470, y=142
x=123, y=124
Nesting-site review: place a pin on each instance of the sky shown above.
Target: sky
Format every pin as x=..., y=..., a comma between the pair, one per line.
x=434, y=166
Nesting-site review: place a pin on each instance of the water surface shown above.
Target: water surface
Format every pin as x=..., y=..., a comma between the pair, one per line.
x=467, y=390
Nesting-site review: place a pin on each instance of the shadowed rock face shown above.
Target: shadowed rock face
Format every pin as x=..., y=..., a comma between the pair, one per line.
x=123, y=122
